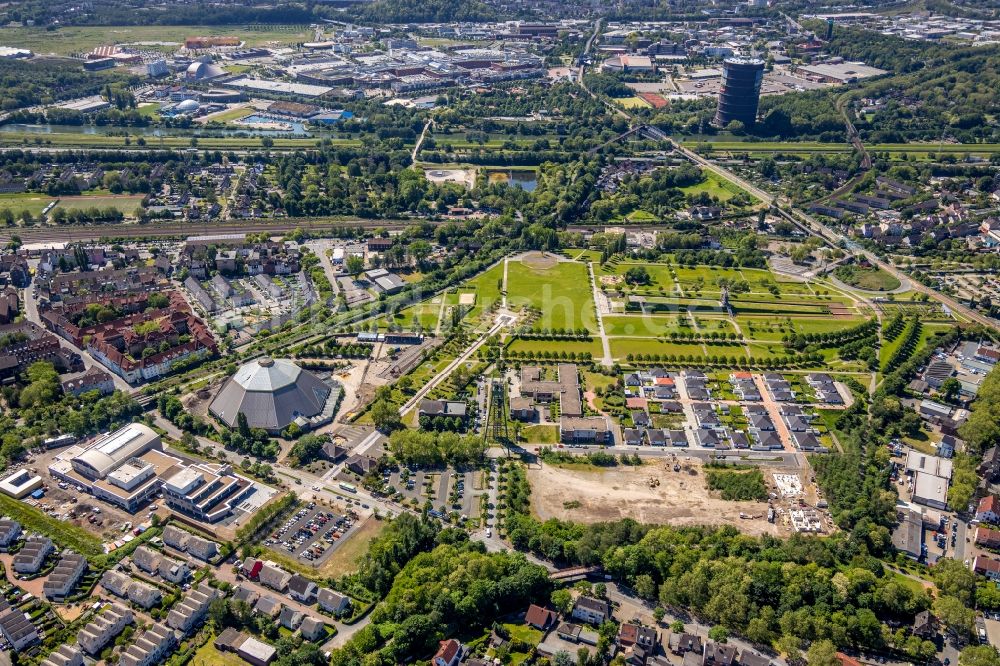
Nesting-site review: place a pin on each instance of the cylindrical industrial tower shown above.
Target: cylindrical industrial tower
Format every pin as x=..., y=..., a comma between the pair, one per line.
x=740, y=93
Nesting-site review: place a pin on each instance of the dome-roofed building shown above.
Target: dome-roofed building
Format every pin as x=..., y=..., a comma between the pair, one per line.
x=202, y=71
x=187, y=106
x=273, y=393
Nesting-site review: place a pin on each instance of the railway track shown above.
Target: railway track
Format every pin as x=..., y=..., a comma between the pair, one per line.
x=180, y=229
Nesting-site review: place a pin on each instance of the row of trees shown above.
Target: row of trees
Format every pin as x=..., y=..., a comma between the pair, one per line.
x=430, y=449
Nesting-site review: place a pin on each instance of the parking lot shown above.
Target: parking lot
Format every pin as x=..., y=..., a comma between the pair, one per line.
x=312, y=534
x=447, y=489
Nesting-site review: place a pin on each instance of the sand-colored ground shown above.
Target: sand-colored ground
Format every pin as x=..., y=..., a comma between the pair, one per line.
x=681, y=498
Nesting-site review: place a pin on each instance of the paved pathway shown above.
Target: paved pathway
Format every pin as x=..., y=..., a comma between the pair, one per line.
x=606, y=360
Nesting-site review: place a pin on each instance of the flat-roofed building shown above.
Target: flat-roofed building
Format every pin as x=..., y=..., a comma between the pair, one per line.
x=205, y=491
x=124, y=468
x=20, y=483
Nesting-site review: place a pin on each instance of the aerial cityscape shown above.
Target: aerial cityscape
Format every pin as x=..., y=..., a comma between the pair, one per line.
x=488, y=333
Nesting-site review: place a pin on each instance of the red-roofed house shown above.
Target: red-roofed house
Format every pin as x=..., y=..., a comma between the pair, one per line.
x=540, y=618
x=449, y=653
x=987, y=538
x=988, y=510
x=847, y=661
x=986, y=567
x=664, y=381
x=636, y=403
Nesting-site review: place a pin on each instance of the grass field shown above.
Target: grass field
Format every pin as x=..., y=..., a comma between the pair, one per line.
x=78, y=39
x=487, y=288
x=868, y=278
x=208, y=655
x=63, y=533
x=579, y=347
x=36, y=203
x=632, y=103
x=715, y=186
x=649, y=326
x=561, y=290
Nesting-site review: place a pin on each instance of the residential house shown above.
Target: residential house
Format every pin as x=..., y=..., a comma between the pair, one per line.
x=64, y=655
x=925, y=625
x=630, y=635
x=191, y=610
x=65, y=576
x=302, y=589
x=104, y=628
x=10, y=532
x=684, y=643
x=16, y=627
x=591, y=610
x=719, y=654
x=988, y=510
x=449, y=653
x=152, y=647
x=274, y=577
x=312, y=629
x=289, y=618
x=333, y=602
x=540, y=618
x=29, y=559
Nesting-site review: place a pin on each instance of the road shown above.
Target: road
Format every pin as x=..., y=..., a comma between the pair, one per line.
x=31, y=314
x=630, y=606
x=586, y=50
x=817, y=228
x=420, y=141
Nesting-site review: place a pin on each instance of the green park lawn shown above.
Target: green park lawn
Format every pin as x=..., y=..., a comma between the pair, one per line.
x=561, y=292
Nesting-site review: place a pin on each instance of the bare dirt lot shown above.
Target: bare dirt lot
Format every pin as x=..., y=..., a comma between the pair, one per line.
x=591, y=495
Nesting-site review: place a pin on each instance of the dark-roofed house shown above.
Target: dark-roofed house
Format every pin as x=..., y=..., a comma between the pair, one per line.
x=748, y=658
x=719, y=654
x=151, y=647
x=540, y=618
x=636, y=635
x=302, y=589
x=333, y=602
x=29, y=559
x=65, y=576
x=683, y=643
x=925, y=625
x=16, y=628
x=593, y=611
x=361, y=464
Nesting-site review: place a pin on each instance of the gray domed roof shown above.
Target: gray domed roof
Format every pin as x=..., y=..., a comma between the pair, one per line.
x=271, y=393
